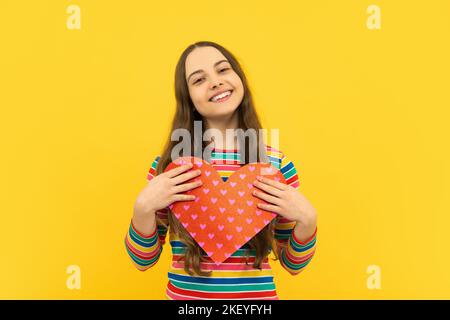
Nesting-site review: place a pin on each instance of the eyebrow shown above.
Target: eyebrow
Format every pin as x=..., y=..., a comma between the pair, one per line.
x=215, y=64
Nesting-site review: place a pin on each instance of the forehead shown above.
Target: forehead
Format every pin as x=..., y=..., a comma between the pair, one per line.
x=202, y=58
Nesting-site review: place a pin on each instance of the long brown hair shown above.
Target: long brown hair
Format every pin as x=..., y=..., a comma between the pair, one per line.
x=184, y=117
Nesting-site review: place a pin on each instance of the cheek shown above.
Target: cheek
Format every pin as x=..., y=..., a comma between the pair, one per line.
x=237, y=83
x=197, y=96
x=239, y=87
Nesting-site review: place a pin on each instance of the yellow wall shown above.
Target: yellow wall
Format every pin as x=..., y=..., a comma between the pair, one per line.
x=362, y=113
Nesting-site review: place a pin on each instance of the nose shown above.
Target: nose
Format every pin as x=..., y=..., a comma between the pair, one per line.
x=216, y=82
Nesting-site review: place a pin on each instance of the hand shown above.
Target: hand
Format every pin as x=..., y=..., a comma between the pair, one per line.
x=166, y=188
x=285, y=201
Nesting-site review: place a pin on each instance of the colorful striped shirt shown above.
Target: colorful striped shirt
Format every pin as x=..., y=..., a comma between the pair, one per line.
x=232, y=279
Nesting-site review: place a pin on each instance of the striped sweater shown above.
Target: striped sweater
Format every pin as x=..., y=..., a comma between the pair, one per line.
x=232, y=279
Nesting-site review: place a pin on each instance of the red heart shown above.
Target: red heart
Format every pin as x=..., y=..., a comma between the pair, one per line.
x=224, y=216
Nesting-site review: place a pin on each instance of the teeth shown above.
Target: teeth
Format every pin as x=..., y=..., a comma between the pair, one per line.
x=220, y=96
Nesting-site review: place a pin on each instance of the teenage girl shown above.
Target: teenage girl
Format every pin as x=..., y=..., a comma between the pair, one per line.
x=206, y=71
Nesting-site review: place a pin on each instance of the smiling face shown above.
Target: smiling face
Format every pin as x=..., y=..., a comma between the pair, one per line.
x=216, y=90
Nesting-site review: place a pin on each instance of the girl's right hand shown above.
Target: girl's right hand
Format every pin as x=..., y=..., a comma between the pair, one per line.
x=166, y=188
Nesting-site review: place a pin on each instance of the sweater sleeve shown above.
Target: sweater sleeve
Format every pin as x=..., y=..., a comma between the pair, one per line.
x=145, y=250
x=294, y=255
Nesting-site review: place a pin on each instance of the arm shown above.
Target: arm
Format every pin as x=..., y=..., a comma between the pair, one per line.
x=145, y=237
x=145, y=249
x=296, y=241
x=294, y=254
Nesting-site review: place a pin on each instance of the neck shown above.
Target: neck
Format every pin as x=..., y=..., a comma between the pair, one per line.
x=222, y=124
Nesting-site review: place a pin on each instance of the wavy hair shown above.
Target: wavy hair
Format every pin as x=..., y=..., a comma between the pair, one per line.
x=184, y=118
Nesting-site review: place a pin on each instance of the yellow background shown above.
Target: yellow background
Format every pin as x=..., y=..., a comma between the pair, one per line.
x=362, y=113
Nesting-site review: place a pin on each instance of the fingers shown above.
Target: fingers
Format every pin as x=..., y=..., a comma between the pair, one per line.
x=267, y=197
x=178, y=170
x=267, y=188
x=177, y=177
x=273, y=183
x=185, y=176
x=183, y=197
x=269, y=207
x=187, y=186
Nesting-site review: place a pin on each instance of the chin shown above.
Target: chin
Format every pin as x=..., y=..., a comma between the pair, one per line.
x=217, y=114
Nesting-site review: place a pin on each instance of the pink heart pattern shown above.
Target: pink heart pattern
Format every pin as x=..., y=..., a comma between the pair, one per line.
x=224, y=215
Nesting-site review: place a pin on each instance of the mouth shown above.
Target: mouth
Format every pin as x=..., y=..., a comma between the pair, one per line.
x=221, y=97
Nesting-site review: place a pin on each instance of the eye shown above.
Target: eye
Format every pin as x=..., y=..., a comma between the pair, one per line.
x=199, y=79
x=196, y=81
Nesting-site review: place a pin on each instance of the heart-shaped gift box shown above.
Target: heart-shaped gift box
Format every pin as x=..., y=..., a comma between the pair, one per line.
x=224, y=216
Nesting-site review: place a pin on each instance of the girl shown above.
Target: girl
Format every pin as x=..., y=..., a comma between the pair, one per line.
x=211, y=87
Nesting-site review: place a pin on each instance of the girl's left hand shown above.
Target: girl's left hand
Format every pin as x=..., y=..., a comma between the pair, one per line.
x=285, y=201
